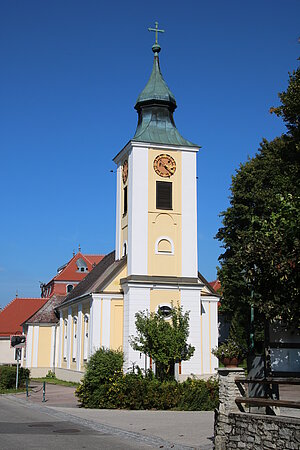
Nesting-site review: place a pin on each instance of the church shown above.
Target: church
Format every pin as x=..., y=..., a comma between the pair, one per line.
x=155, y=262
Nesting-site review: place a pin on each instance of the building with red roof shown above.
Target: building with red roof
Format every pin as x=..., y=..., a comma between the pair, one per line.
x=11, y=318
x=20, y=310
x=70, y=274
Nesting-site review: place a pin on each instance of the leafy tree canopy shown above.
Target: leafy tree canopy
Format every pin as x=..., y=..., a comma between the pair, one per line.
x=165, y=341
x=260, y=232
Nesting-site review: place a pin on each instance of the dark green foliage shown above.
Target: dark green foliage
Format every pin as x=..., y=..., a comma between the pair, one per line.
x=289, y=109
x=133, y=391
x=199, y=395
x=260, y=233
x=8, y=377
x=165, y=341
x=103, y=367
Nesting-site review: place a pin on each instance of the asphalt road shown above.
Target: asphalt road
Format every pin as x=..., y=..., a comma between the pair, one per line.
x=22, y=427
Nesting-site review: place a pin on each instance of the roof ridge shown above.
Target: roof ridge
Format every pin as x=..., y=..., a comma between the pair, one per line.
x=95, y=254
x=67, y=264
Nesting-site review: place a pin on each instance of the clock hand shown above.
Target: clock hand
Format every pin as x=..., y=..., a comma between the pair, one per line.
x=166, y=167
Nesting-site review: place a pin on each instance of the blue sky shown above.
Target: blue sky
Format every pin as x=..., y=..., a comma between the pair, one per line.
x=70, y=74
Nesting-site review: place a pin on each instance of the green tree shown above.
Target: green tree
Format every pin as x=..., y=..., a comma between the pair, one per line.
x=260, y=232
x=165, y=341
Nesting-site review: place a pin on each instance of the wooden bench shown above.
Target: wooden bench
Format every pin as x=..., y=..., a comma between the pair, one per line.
x=267, y=402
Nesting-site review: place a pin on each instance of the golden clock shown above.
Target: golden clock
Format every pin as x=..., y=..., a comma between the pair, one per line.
x=164, y=165
x=125, y=171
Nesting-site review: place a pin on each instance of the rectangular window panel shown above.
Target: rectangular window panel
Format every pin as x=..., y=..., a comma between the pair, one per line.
x=163, y=195
x=125, y=200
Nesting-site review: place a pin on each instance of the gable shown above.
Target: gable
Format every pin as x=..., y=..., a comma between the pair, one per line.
x=114, y=284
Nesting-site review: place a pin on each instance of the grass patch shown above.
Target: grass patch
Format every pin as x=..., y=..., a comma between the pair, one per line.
x=55, y=381
x=12, y=391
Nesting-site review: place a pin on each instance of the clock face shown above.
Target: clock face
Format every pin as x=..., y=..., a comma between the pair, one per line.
x=164, y=165
x=125, y=171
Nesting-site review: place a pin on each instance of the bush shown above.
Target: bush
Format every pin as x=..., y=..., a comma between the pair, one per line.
x=51, y=375
x=199, y=395
x=105, y=386
x=103, y=366
x=133, y=391
x=8, y=377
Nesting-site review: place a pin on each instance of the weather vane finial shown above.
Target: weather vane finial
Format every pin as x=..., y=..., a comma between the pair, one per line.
x=156, y=46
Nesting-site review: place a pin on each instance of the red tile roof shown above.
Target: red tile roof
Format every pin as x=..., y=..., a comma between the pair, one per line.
x=70, y=271
x=216, y=285
x=17, y=312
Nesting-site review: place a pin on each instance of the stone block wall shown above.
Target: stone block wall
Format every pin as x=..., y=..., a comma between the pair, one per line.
x=260, y=432
x=236, y=429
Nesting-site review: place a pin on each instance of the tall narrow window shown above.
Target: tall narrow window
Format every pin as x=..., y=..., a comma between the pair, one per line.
x=65, y=338
x=125, y=201
x=163, y=195
x=86, y=337
x=74, y=352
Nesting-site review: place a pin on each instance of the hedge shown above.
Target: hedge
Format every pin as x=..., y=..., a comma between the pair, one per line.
x=8, y=377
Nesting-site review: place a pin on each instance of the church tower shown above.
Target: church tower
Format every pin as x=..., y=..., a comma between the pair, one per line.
x=156, y=220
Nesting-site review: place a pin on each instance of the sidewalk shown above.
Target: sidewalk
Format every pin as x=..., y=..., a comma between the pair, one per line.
x=168, y=429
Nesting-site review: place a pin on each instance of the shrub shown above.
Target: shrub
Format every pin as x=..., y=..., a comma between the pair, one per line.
x=51, y=375
x=199, y=395
x=8, y=377
x=103, y=366
x=105, y=386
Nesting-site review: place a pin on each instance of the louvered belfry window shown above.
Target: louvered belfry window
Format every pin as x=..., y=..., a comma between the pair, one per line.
x=163, y=195
x=125, y=201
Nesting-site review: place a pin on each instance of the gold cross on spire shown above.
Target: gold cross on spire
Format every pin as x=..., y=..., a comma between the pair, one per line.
x=156, y=32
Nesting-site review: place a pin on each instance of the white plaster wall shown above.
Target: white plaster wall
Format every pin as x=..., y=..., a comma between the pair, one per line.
x=29, y=346
x=190, y=301
x=69, y=334
x=118, y=214
x=57, y=345
x=209, y=333
x=138, y=211
x=35, y=346
x=61, y=322
x=106, y=308
x=7, y=354
x=135, y=299
x=52, y=349
x=79, y=337
x=189, y=215
x=95, y=323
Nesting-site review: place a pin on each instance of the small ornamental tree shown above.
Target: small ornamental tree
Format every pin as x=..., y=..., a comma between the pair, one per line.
x=164, y=340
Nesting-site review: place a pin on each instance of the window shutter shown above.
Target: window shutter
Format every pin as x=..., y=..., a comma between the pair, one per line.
x=163, y=195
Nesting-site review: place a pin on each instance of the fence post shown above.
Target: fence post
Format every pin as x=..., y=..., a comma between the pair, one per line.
x=228, y=391
x=44, y=391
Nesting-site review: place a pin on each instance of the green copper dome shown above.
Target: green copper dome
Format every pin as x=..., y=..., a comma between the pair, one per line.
x=155, y=106
x=156, y=89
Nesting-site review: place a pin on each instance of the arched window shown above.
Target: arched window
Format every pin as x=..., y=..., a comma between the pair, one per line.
x=164, y=246
x=86, y=337
x=65, y=343
x=75, y=325
x=124, y=249
x=69, y=287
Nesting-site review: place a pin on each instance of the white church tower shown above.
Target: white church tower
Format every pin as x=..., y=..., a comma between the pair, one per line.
x=156, y=226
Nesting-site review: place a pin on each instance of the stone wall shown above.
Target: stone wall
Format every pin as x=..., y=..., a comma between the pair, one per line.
x=237, y=429
x=260, y=432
